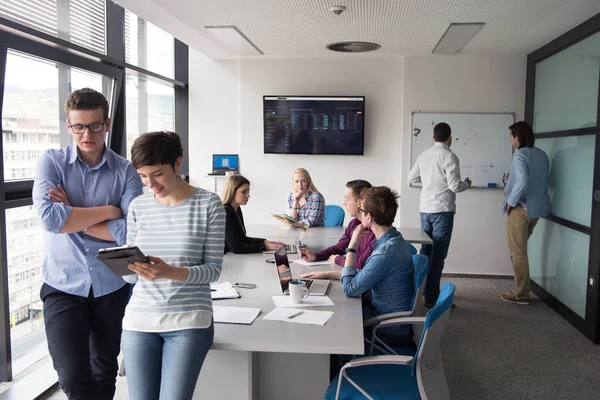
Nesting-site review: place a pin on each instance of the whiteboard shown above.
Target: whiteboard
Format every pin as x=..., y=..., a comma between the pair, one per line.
x=480, y=140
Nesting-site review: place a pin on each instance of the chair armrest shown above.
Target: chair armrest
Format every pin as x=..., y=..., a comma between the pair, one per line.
x=379, y=318
x=401, y=321
x=373, y=360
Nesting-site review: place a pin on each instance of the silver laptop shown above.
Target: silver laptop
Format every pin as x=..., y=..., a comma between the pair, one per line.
x=316, y=287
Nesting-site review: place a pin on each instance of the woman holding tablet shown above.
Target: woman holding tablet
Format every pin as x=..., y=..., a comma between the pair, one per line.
x=168, y=325
x=235, y=194
x=305, y=204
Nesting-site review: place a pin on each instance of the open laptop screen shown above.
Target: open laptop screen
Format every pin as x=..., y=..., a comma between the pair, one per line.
x=283, y=268
x=225, y=162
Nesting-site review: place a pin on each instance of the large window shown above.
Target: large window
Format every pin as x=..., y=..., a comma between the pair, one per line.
x=150, y=107
x=79, y=21
x=150, y=100
x=32, y=113
x=32, y=118
x=25, y=243
x=67, y=45
x=148, y=47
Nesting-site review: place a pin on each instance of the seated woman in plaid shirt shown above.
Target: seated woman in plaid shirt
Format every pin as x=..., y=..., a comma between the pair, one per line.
x=305, y=204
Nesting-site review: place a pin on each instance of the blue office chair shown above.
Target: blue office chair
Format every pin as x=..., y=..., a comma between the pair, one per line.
x=413, y=249
x=421, y=267
x=401, y=377
x=334, y=215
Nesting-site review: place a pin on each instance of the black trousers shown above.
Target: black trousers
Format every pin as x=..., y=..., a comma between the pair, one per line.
x=84, y=339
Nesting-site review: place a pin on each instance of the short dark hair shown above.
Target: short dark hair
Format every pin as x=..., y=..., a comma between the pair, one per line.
x=441, y=132
x=523, y=131
x=357, y=186
x=86, y=99
x=155, y=148
x=382, y=203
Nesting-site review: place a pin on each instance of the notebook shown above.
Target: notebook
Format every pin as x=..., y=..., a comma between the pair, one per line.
x=223, y=290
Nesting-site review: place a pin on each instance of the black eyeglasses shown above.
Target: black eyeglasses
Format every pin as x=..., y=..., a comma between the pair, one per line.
x=362, y=210
x=79, y=129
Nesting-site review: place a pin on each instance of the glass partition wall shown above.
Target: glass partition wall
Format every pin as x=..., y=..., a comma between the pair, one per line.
x=562, y=105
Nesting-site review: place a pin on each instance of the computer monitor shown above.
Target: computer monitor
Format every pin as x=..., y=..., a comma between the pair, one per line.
x=225, y=162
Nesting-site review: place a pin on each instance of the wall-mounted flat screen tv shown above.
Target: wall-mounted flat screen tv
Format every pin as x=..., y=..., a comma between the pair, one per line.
x=314, y=124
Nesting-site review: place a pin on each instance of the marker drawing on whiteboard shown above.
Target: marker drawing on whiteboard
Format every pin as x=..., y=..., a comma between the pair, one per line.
x=416, y=131
x=469, y=139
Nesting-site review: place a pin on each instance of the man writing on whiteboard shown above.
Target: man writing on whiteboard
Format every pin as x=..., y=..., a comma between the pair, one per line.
x=438, y=171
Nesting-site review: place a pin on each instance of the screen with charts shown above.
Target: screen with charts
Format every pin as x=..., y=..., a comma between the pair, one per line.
x=314, y=125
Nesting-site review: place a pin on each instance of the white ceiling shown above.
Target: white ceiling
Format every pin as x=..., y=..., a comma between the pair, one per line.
x=302, y=28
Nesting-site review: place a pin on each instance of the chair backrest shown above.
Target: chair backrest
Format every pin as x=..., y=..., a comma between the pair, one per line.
x=421, y=263
x=334, y=215
x=435, y=325
x=413, y=249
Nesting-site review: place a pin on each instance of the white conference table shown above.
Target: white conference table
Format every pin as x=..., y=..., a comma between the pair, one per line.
x=280, y=232
x=272, y=360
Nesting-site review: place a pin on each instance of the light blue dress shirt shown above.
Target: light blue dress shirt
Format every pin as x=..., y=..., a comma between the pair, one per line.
x=388, y=273
x=527, y=182
x=70, y=263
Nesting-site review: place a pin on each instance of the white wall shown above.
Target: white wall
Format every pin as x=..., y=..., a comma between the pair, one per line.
x=464, y=83
x=227, y=111
x=226, y=116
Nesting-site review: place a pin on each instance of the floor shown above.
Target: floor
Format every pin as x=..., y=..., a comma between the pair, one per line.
x=497, y=350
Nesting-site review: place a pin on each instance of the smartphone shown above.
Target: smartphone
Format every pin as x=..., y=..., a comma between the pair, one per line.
x=244, y=285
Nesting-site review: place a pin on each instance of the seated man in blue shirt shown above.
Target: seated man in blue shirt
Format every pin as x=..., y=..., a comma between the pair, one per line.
x=389, y=271
x=81, y=195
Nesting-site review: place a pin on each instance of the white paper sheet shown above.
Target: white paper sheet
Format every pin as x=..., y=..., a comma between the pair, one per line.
x=311, y=301
x=312, y=263
x=223, y=290
x=235, y=315
x=307, y=317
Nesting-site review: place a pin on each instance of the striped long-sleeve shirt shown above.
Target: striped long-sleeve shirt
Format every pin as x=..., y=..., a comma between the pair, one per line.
x=189, y=235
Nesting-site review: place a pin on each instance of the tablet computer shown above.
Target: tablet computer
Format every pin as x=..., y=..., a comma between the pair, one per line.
x=117, y=258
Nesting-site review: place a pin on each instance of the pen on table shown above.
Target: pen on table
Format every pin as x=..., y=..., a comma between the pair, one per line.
x=295, y=315
x=213, y=290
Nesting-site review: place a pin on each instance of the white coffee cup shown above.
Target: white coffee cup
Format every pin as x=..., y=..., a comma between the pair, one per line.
x=298, y=291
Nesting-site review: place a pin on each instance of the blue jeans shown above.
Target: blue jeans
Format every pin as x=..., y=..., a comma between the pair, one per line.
x=438, y=226
x=165, y=365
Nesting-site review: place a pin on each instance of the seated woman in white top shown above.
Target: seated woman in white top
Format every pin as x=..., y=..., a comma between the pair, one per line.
x=305, y=204
x=168, y=324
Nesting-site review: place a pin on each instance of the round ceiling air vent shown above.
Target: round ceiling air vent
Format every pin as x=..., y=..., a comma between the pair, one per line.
x=353, y=47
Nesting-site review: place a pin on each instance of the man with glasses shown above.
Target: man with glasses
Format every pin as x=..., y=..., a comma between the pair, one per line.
x=81, y=194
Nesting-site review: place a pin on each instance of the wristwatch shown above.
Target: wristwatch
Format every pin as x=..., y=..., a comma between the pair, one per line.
x=350, y=250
